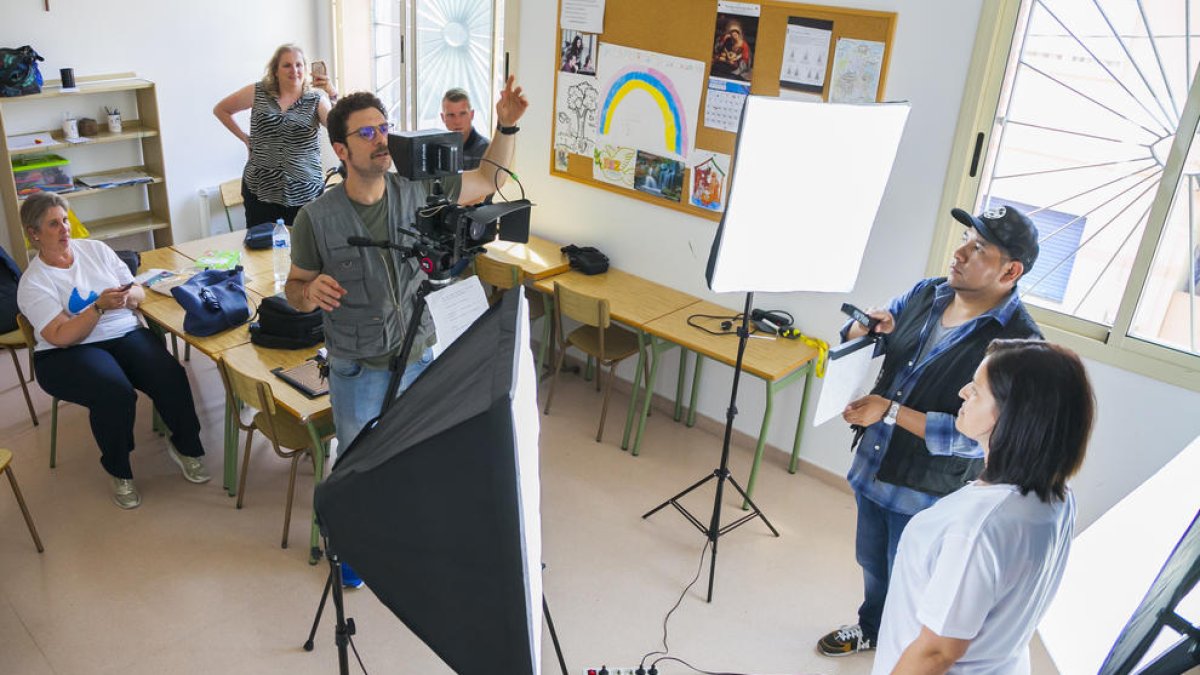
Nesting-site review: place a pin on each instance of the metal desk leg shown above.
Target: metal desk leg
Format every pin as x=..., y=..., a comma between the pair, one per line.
x=691, y=418
x=633, y=394
x=772, y=387
x=808, y=380
x=679, y=386
x=657, y=348
x=318, y=450
x=547, y=333
x=762, y=444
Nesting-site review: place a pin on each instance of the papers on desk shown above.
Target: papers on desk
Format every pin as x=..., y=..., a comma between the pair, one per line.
x=30, y=141
x=454, y=309
x=162, y=281
x=110, y=179
x=850, y=375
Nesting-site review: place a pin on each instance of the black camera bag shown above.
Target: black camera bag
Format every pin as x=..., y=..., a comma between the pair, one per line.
x=586, y=259
x=280, y=326
x=258, y=236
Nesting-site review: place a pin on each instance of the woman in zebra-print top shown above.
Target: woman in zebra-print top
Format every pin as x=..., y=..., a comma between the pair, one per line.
x=283, y=171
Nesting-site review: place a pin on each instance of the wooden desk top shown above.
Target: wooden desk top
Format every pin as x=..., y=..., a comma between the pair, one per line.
x=169, y=314
x=165, y=258
x=768, y=359
x=540, y=258
x=253, y=261
x=258, y=362
x=632, y=300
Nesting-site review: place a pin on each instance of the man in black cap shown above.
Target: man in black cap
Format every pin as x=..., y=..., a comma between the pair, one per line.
x=933, y=337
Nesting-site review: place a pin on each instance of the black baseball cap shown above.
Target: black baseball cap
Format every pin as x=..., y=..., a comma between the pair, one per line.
x=1007, y=228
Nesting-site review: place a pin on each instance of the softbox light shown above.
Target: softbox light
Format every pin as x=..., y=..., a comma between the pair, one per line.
x=806, y=184
x=437, y=506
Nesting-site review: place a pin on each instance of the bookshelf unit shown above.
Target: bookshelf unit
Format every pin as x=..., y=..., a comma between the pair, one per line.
x=140, y=207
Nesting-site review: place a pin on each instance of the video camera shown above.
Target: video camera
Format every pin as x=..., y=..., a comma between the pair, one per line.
x=446, y=232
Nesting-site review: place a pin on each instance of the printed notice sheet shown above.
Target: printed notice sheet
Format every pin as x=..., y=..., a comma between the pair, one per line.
x=454, y=309
x=583, y=15
x=805, y=54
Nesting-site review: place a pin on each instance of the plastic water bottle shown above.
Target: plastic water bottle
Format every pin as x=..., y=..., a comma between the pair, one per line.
x=281, y=245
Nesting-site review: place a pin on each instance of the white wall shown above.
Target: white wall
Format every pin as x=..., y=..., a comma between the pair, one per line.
x=1140, y=425
x=196, y=52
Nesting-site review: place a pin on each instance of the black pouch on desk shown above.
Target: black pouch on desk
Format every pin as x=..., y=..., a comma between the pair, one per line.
x=280, y=326
x=586, y=259
x=259, y=236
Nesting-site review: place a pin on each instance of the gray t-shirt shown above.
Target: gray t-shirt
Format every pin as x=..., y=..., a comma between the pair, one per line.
x=936, y=335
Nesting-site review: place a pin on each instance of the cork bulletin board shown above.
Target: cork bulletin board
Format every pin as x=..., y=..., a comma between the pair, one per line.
x=598, y=77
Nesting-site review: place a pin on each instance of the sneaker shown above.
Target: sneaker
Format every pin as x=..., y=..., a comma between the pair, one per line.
x=844, y=641
x=350, y=578
x=125, y=495
x=193, y=467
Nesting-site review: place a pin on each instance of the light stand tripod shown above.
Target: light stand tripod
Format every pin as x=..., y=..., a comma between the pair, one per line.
x=714, y=530
x=344, y=629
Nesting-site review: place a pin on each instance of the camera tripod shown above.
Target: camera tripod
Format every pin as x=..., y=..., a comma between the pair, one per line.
x=721, y=474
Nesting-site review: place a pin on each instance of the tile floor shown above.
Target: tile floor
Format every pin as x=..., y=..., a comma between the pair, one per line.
x=188, y=584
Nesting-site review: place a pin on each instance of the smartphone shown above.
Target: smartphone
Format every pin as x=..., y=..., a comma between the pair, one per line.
x=319, y=68
x=126, y=287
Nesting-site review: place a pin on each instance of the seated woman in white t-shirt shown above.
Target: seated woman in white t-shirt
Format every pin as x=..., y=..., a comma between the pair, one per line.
x=92, y=351
x=974, y=573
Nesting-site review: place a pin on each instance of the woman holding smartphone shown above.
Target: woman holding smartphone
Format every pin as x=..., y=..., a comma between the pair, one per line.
x=283, y=171
x=91, y=349
x=975, y=572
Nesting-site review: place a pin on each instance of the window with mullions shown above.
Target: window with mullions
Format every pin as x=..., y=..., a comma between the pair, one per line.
x=1094, y=105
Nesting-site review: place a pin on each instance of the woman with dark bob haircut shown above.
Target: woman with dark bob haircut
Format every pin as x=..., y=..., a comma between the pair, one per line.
x=975, y=572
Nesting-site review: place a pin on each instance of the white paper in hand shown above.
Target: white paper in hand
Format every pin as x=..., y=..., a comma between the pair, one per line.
x=454, y=309
x=847, y=378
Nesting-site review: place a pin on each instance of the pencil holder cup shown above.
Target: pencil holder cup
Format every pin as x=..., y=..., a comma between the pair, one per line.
x=114, y=123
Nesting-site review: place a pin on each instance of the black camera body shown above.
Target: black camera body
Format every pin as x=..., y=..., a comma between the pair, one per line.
x=446, y=232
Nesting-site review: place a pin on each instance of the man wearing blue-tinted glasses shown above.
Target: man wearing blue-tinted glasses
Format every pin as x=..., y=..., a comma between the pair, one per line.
x=366, y=293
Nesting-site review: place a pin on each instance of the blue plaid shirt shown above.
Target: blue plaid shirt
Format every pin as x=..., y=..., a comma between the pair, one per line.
x=941, y=438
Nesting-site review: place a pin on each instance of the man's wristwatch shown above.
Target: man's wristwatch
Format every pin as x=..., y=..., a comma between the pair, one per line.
x=892, y=411
x=98, y=308
x=507, y=131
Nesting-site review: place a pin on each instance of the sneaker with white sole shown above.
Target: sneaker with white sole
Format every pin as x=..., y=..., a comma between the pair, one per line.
x=125, y=495
x=193, y=467
x=845, y=641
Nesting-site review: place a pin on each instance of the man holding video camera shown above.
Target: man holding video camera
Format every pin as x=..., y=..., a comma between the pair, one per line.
x=367, y=293
x=933, y=337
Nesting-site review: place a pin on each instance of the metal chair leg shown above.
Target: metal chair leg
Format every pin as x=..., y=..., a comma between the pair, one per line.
x=241, y=492
x=24, y=388
x=562, y=352
x=12, y=480
x=287, y=510
x=612, y=373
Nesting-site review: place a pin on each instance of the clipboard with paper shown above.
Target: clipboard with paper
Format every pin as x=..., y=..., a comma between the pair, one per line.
x=851, y=373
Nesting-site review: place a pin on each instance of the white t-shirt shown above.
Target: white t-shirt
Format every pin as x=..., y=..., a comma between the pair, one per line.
x=45, y=291
x=981, y=565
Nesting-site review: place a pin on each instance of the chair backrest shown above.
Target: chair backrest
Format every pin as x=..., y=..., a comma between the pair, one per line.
x=27, y=331
x=585, y=309
x=246, y=388
x=231, y=192
x=501, y=275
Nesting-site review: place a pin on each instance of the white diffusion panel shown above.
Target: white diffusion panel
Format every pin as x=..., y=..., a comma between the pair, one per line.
x=807, y=181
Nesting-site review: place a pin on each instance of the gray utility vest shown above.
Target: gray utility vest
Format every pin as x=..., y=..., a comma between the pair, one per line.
x=375, y=311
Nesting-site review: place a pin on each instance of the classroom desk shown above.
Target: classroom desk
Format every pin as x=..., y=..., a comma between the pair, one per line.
x=539, y=258
x=314, y=413
x=254, y=262
x=633, y=301
x=777, y=362
x=164, y=259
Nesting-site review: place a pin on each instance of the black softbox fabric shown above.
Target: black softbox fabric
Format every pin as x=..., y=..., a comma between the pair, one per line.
x=427, y=505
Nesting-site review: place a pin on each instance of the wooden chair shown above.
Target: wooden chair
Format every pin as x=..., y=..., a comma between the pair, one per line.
x=288, y=437
x=6, y=467
x=231, y=196
x=21, y=339
x=502, y=276
x=597, y=338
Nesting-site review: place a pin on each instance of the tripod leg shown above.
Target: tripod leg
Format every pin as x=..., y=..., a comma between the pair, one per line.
x=554, y=636
x=712, y=565
x=757, y=511
x=697, y=484
x=308, y=644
